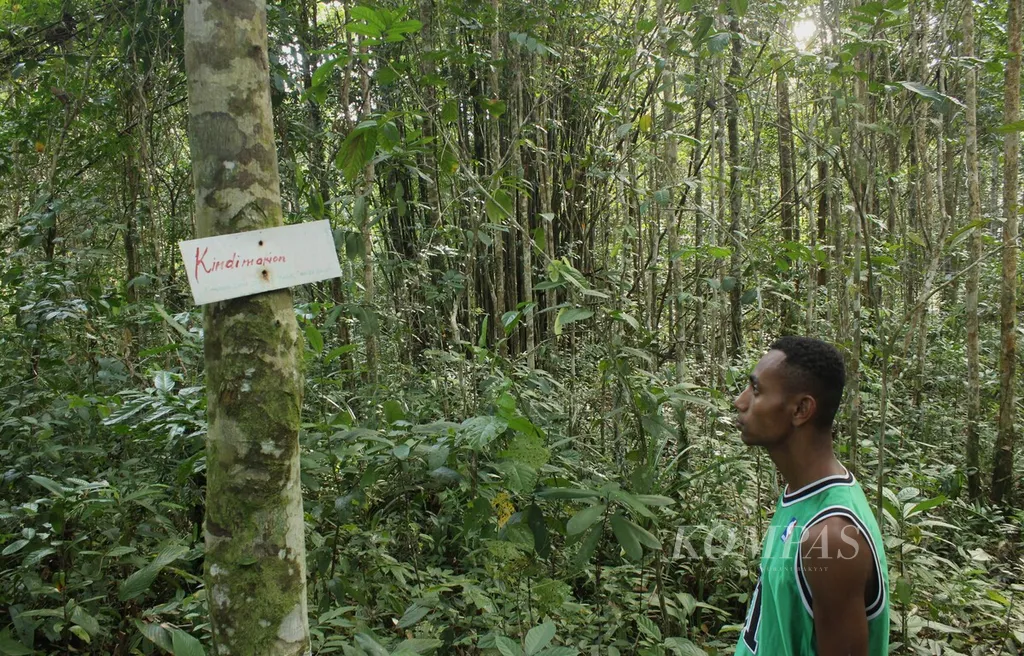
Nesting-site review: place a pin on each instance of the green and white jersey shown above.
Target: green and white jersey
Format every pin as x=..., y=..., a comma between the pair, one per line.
x=780, y=619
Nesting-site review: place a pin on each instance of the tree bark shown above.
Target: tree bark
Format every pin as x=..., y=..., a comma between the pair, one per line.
x=973, y=279
x=735, y=190
x=255, y=555
x=1002, y=471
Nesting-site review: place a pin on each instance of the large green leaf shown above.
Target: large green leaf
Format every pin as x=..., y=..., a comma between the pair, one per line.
x=499, y=207
x=628, y=536
x=357, y=150
x=481, y=431
x=141, y=580
x=11, y=647
x=539, y=528
x=569, y=315
x=507, y=646
x=684, y=647
x=185, y=645
x=585, y=518
x=588, y=547
x=412, y=615
x=156, y=634
x=539, y=637
x=518, y=476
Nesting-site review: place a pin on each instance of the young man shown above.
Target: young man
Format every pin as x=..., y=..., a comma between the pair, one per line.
x=824, y=581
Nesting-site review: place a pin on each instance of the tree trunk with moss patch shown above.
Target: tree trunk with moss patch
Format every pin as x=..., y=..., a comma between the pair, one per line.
x=255, y=556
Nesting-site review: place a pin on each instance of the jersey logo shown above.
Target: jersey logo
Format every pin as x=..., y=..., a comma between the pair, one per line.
x=789, y=530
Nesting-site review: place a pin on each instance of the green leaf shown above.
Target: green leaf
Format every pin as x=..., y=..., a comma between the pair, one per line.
x=507, y=646
x=518, y=476
x=339, y=351
x=367, y=15
x=587, y=548
x=569, y=315
x=156, y=634
x=393, y=411
x=322, y=73
x=401, y=451
x=419, y=645
x=51, y=485
x=185, y=645
x=926, y=505
x=1016, y=126
x=559, y=651
x=648, y=628
x=481, y=431
x=903, y=591
x=499, y=207
x=370, y=645
x=539, y=528
x=997, y=597
x=654, y=499
x=11, y=647
x=539, y=238
x=14, y=547
x=631, y=536
x=539, y=637
x=315, y=339
x=739, y=6
x=686, y=5
x=450, y=112
x=494, y=107
x=141, y=580
x=567, y=494
x=412, y=615
x=85, y=620
x=718, y=42
x=630, y=501
x=585, y=518
x=627, y=538
x=928, y=92
x=684, y=647
x=357, y=150
x=700, y=32
x=82, y=634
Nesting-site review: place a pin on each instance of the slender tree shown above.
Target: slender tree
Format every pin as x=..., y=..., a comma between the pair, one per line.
x=255, y=555
x=973, y=279
x=1002, y=472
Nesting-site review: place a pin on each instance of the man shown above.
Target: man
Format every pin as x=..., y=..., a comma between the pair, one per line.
x=824, y=581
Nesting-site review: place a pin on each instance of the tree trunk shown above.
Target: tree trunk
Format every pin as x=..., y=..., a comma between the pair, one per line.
x=973, y=216
x=494, y=146
x=1002, y=472
x=788, y=201
x=735, y=191
x=255, y=555
x=362, y=216
x=523, y=215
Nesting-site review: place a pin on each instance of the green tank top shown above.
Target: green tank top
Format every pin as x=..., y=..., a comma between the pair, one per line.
x=780, y=619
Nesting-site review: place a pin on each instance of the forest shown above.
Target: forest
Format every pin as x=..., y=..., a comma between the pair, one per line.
x=567, y=230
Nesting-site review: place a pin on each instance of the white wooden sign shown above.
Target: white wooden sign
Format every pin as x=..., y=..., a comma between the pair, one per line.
x=244, y=263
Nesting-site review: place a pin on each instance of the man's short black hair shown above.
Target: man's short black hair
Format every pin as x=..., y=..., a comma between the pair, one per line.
x=816, y=368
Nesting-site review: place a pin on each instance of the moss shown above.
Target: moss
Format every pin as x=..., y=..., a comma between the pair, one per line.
x=255, y=400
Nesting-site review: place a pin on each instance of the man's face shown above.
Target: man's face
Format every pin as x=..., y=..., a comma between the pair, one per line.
x=766, y=407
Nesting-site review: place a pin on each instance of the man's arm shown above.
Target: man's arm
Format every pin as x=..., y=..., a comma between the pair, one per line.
x=837, y=565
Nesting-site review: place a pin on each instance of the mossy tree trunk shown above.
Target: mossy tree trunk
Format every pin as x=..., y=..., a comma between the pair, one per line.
x=255, y=555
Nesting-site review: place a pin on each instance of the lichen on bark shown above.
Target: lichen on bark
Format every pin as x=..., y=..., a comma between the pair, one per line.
x=255, y=555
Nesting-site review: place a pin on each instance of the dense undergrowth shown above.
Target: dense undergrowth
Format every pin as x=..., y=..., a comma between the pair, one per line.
x=466, y=506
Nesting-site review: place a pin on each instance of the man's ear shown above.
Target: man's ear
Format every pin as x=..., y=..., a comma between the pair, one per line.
x=806, y=407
